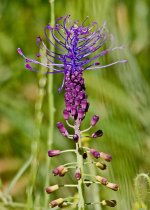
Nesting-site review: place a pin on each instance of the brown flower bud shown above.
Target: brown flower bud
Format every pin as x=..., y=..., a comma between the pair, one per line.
x=78, y=174
x=56, y=202
x=111, y=203
x=63, y=172
x=102, y=166
x=84, y=155
x=105, y=156
x=52, y=153
x=57, y=171
x=97, y=134
x=51, y=189
x=95, y=153
x=112, y=186
x=102, y=180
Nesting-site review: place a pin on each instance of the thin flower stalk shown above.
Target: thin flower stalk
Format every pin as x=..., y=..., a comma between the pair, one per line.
x=51, y=107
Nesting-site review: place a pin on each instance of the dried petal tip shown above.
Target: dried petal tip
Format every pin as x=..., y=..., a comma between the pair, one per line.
x=105, y=156
x=38, y=55
x=28, y=66
x=38, y=39
x=78, y=174
x=97, y=134
x=52, y=153
x=63, y=172
x=113, y=186
x=95, y=153
x=102, y=180
x=75, y=137
x=58, y=170
x=111, y=203
x=62, y=129
x=56, y=202
x=94, y=120
x=19, y=51
x=97, y=63
x=102, y=166
x=51, y=189
x=84, y=155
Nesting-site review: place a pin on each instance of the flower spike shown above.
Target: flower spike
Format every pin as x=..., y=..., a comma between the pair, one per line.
x=74, y=49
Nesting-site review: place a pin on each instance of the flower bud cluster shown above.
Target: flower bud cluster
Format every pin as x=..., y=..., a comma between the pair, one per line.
x=75, y=96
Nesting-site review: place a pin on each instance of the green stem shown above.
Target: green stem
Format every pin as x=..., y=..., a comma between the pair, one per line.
x=95, y=188
x=36, y=139
x=14, y=205
x=90, y=175
x=138, y=187
x=69, y=185
x=51, y=109
x=68, y=150
x=18, y=175
x=72, y=163
x=81, y=203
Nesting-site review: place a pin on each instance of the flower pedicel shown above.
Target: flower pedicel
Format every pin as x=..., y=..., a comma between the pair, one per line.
x=78, y=47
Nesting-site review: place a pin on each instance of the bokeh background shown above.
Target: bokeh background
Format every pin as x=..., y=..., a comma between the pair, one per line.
x=119, y=94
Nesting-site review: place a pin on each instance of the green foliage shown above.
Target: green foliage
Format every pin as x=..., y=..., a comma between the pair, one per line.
x=120, y=95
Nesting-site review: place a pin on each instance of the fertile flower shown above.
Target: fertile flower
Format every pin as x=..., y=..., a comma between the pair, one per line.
x=96, y=134
x=78, y=174
x=94, y=120
x=58, y=170
x=112, y=186
x=95, y=153
x=51, y=189
x=102, y=166
x=111, y=203
x=105, y=156
x=63, y=172
x=52, y=153
x=56, y=202
x=66, y=114
x=102, y=180
x=84, y=155
x=62, y=129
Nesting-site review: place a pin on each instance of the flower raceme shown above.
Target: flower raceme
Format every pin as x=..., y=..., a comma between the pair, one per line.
x=76, y=48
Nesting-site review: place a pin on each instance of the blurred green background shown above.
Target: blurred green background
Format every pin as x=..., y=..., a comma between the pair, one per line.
x=119, y=94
